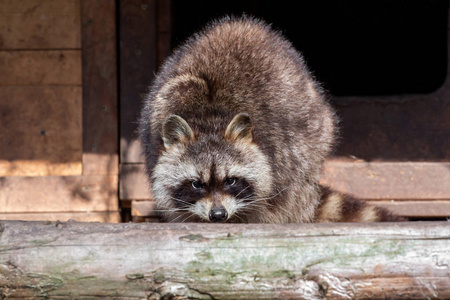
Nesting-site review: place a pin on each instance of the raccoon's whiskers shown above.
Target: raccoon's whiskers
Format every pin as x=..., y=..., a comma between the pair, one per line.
x=179, y=200
x=267, y=198
x=237, y=216
x=170, y=210
x=242, y=191
x=190, y=216
x=181, y=215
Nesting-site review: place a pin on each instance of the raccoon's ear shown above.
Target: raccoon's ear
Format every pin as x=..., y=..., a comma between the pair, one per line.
x=176, y=130
x=240, y=129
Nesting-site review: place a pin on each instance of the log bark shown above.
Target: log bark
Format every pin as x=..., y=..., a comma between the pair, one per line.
x=224, y=261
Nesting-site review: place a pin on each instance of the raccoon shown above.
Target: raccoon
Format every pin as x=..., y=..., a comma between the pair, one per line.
x=235, y=129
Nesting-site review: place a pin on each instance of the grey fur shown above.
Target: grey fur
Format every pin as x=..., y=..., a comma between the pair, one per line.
x=238, y=66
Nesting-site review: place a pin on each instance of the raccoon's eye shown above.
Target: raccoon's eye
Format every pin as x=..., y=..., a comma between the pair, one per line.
x=230, y=181
x=197, y=185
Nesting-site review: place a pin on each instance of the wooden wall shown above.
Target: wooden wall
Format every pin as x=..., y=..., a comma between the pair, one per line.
x=58, y=110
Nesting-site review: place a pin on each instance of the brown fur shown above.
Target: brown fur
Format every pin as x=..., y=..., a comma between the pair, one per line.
x=236, y=101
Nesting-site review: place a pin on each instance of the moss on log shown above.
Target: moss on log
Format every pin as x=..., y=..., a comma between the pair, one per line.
x=224, y=261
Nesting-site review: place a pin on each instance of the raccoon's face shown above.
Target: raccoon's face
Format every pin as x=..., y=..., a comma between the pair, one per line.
x=215, y=178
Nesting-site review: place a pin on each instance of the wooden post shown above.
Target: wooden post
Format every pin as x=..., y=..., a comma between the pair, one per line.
x=226, y=261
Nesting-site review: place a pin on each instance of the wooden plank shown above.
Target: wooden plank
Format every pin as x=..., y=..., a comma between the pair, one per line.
x=104, y=217
x=134, y=183
x=100, y=164
x=429, y=208
x=58, y=194
x=53, y=67
x=40, y=24
x=40, y=131
x=226, y=261
x=389, y=180
x=100, y=103
x=137, y=68
x=164, y=30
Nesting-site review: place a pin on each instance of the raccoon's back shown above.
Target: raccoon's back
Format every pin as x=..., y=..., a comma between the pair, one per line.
x=241, y=65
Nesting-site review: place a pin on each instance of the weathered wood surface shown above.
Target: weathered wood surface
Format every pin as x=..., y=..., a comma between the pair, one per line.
x=58, y=194
x=137, y=69
x=51, y=67
x=87, y=216
x=416, y=208
x=389, y=180
x=216, y=261
x=134, y=183
x=40, y=130
x=40, y=24
x=163, y=29
x=100, y=102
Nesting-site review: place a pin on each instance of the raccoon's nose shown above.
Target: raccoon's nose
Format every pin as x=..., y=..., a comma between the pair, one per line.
x=218, y=214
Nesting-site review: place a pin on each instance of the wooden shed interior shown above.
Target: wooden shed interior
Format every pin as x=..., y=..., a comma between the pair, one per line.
x=74, y=73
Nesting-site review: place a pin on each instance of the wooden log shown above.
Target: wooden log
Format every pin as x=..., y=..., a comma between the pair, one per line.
x=226, y=261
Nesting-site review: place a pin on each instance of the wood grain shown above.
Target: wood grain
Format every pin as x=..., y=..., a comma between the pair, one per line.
x=100, y=103
x=58, y=194
x=104, y=217
x=137, y=67
x=134, y=182
x=163, y=29
x=389, y=180
x=40, y=131
x=226, y=261
x=427, y=209
x=40, y=24
x=52, y=67
x=143, y=209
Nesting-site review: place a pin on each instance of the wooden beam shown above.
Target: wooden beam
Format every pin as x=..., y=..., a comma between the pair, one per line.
x=389, y=180
x=54, y=194
x=226, y=261
x=134, y=183
x=424, y=209
x=137, y=69
x=105, y=217
x=100, y=103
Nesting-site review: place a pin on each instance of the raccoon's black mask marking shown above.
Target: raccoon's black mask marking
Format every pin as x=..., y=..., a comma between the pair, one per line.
x=186, y=194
